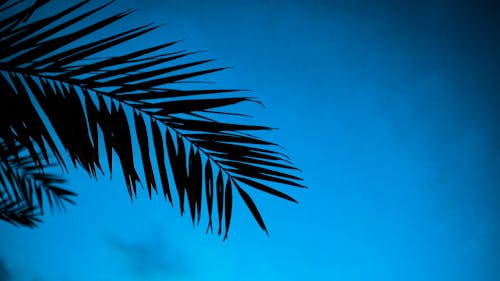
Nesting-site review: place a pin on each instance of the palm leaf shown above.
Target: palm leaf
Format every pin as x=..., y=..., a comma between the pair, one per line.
x=87, y=99
x=18, y=213
x=24, y=187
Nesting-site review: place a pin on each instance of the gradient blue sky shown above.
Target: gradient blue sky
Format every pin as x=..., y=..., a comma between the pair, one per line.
x=389, y=107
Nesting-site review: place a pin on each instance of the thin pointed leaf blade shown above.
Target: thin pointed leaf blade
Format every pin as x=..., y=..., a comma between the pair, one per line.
x=198, y=187
x=265, y=188
x=228, y=206
x=219, y=183
x=191, y=186
x=252, y=207
x=209, y=192
x=142, y=137
x=160, y=160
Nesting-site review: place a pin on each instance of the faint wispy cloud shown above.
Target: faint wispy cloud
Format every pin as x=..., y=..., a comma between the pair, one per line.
x=147, y=256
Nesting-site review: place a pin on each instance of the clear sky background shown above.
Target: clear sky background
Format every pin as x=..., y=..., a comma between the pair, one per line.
x=390, y=108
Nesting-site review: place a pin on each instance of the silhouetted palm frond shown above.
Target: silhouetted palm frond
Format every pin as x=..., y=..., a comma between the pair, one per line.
x=52, y=83
x=24, y=187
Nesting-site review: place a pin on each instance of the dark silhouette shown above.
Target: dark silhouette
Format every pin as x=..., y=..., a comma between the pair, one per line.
x=55, y=90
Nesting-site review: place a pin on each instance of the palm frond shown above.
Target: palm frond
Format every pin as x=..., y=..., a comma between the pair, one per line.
x=131, y=98
x=18, y=213
x=25, y=186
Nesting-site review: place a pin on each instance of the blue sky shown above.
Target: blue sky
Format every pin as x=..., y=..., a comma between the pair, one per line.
x=390, y=108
